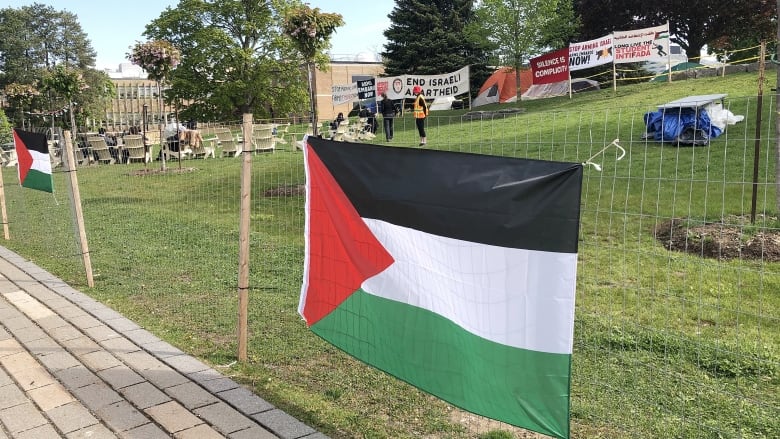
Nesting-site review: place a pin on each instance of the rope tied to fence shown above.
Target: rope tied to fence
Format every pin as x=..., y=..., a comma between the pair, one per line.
x=596, y=166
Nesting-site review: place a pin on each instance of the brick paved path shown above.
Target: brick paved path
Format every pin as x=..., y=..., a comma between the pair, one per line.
x=73, y=368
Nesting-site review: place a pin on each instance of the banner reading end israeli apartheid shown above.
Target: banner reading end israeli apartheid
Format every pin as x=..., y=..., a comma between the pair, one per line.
x=587, y=54
x=649, y=44
x=433, y=86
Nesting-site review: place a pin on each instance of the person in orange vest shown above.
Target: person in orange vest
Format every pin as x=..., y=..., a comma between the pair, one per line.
x=420, y=110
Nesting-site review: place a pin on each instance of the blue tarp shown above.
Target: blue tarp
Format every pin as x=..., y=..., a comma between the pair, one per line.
x=686, y=126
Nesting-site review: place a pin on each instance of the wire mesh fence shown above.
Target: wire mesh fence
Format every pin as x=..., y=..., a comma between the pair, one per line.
x=677, y=330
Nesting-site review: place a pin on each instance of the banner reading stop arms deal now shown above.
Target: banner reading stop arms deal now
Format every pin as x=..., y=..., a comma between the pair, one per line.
x=587, y=54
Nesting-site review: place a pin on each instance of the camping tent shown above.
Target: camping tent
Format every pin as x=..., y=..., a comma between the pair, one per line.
x=501, y=87
x=677, y=68
x=442, y=103
x=560, y=88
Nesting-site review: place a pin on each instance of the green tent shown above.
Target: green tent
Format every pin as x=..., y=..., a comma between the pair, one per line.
x=683, y=66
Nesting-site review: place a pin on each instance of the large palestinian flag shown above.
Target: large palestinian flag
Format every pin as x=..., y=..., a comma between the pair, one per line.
x=32, y=153
x=454, y=272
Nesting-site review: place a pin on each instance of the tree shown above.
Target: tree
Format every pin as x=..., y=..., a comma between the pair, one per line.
x=6, y=134
x=235, y=58
x=159, y=59
x=310, y=30
x=37, y=39
x=692, y=24
x=522, y=29
x=434, y=37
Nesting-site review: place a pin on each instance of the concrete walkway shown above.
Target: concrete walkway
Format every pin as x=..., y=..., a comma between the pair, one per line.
x=73, y=368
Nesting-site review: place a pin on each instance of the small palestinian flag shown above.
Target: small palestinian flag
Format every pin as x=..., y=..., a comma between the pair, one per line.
x=32, y=153
x=454, y=272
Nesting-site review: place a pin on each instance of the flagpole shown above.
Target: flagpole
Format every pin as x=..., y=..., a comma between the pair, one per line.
x=669, y=53
x=75, y=203
x=614, y=70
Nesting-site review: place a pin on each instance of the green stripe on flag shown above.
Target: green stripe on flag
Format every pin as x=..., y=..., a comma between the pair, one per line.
x=38, y=180
x=517, y=386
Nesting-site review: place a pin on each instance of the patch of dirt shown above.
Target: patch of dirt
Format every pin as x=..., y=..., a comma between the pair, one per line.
x=732, y=238
x=158, y=171
x=286, y=191
x=479, y=426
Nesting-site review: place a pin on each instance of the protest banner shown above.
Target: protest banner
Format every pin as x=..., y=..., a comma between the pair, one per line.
x=587, y=54
x=433, y=86
x=551, y=67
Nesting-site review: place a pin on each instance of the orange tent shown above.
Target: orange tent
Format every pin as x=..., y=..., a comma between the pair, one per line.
x=501, y=87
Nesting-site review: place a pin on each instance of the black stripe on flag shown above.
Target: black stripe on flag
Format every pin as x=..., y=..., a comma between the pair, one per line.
x=502, y=201
x=33, y=141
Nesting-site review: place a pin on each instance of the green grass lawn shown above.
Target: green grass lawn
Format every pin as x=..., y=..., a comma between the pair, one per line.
x=667, y=344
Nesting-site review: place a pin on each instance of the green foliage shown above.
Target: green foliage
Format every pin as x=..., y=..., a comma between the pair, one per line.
x=311, y=29
x=6, y=134
x=522, y=29
x=158, y=58
x=435, y=37
x=46, y=62
x=38, y=37
x=692, y=24
x=64, y=82
x=235, y=59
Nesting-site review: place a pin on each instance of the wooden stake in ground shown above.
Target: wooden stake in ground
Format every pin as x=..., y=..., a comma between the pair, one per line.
x=243, y=238
x=2, y=206
x=75, y=204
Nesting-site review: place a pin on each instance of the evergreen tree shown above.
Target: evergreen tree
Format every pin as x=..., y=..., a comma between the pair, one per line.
x=36, y=40
x=431, y=37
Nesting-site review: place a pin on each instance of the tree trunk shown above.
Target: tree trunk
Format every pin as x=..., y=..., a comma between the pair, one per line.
x=162, y=124
x=310, y=69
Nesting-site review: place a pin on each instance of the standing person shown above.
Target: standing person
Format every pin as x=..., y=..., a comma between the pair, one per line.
x=387, y=109
x=420, y=110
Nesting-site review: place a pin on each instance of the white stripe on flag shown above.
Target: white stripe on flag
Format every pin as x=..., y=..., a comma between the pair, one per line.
x=41, y=162
x=514, y=297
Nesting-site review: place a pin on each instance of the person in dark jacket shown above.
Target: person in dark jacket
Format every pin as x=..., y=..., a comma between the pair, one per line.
x=387, y=108
x=335, y=124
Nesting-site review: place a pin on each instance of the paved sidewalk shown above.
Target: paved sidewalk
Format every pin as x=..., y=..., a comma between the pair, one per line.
x=73, y=368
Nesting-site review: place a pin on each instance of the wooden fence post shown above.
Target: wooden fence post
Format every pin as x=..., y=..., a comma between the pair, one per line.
x=243, y=237
x=69, y=164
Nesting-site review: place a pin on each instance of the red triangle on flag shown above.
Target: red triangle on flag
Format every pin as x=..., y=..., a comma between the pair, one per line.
x=343, y=252
x=23, y=156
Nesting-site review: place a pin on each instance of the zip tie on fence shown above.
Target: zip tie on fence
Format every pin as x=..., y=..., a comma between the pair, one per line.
x=224, y=366
x=596, y=165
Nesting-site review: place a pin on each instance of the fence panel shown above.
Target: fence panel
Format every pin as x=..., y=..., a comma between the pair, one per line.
x=668, y=343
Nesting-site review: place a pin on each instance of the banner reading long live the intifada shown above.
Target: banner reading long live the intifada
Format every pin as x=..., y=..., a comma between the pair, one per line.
x=433, y=86
x=587, y=54
x=649, y=44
